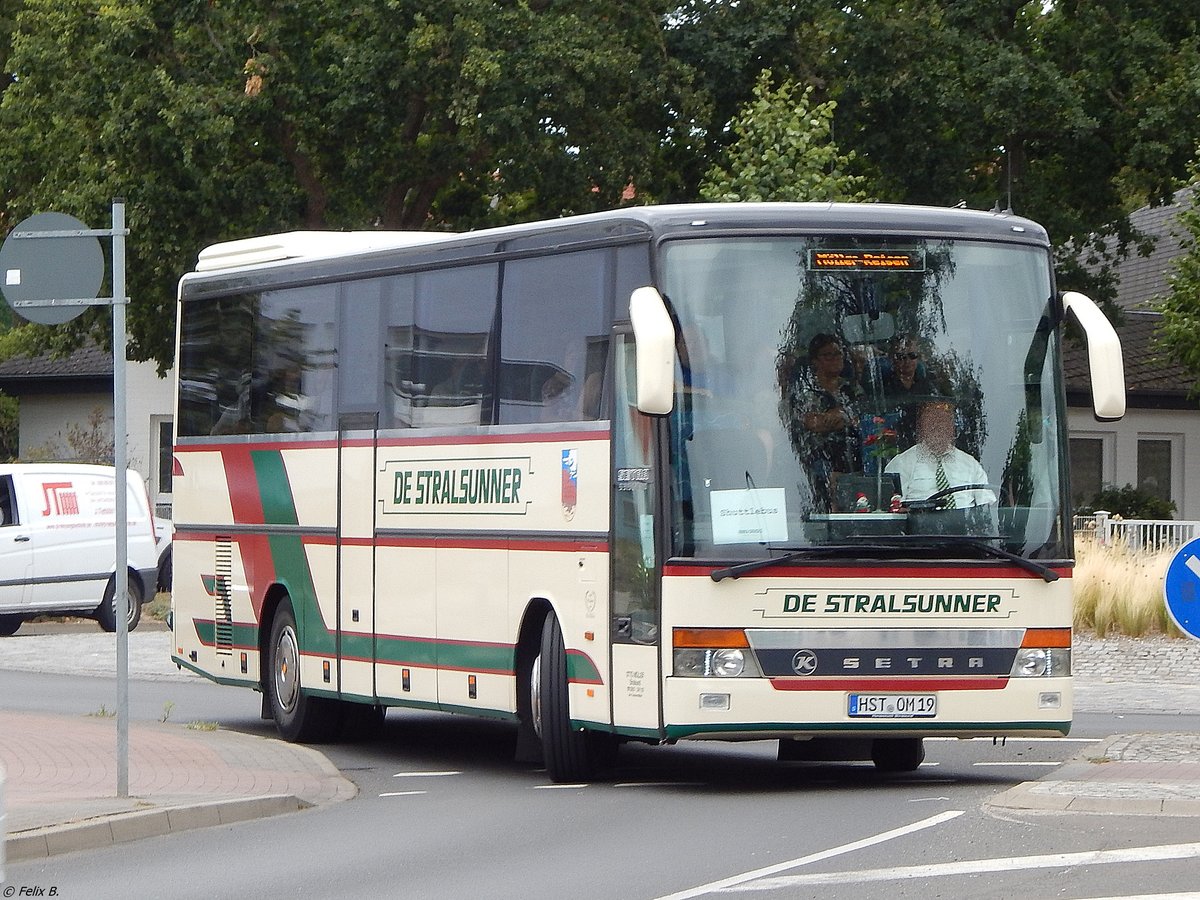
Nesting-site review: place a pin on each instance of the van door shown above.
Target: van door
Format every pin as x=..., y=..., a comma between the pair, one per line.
x=16, y=551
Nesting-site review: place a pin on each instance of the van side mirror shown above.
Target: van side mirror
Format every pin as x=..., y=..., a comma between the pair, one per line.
x=1105, y=365
x=654, y=340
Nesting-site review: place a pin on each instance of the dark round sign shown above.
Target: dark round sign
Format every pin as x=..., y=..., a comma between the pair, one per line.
x=50, y=268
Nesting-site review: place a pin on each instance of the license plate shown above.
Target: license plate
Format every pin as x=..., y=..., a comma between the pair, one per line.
x=893, y=706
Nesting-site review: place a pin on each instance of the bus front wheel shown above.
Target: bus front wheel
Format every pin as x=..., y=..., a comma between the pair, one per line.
x=298, y=716
x=570, y=754
x=897, y=754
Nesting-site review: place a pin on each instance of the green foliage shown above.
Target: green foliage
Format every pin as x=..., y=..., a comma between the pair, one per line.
x=783, y=150
x=1181, y=308
x=1129, y=503
x=218, y=120
x=9, y=420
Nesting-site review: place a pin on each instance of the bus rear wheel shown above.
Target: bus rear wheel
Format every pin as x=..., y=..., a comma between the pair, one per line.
x=897, y=754
x=298, y=716
x=570, y=754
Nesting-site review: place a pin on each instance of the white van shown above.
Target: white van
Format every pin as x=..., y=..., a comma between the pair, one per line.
x=58, y=543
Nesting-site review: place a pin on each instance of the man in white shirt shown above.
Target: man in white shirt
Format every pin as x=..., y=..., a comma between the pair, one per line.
x=934, y=464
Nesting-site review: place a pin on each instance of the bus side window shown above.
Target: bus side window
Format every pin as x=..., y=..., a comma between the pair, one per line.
x=554, y=337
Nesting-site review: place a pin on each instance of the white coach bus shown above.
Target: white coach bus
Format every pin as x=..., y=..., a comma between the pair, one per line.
x=648, y=475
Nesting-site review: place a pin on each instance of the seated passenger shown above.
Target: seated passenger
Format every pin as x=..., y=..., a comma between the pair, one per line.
x=907, y=382
x=824, y=416
x=934, y=464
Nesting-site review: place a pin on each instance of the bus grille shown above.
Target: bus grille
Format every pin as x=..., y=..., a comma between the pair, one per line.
x=223, y=614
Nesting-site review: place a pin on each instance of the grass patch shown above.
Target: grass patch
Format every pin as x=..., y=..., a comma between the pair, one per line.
x=203, y=726
x=158, y=607
x=1120, y=591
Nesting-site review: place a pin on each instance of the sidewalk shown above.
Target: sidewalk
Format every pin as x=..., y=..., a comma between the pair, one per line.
x=61, y=770
x=62, y=777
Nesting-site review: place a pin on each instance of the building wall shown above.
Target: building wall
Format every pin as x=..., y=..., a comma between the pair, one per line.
x=46, y=421
x=1180, y=428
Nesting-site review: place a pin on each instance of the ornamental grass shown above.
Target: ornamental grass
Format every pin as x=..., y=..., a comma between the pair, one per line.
x=1119, y=590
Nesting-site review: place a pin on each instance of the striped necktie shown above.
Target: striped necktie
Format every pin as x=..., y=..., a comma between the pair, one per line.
x=941, y=482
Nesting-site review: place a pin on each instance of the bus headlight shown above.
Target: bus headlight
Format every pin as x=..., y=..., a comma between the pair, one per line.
x=728, y=663
x=1035, y=662
x=718, y=662
x=691, y=662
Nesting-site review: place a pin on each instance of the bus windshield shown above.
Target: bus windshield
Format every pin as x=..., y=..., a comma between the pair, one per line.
x=851, y=390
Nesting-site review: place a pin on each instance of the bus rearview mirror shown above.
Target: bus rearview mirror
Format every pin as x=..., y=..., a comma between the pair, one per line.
x=1105, y=367
x=654, y=339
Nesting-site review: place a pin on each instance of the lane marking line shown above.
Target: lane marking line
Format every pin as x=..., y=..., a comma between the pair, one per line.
x=982, y=866
x=424, y=774
x=732, y=882
x=1022, y=763
x=403, y=793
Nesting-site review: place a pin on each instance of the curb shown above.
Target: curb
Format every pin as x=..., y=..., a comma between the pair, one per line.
x=1126, y=774
x=38, y=843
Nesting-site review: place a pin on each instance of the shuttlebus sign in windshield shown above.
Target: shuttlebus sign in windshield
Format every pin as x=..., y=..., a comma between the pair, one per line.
x=888, y=391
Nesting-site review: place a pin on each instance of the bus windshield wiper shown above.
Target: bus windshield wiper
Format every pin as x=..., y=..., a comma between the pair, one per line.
x=1046, y=573
x=753, y=565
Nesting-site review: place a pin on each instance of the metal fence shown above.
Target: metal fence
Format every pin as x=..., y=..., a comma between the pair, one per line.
x=1137, y=534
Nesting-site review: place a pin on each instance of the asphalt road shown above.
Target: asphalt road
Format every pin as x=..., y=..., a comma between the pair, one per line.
x=443, y=811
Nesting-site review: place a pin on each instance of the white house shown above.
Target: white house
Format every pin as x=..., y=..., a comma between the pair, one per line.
x=64, y=396
x=1156, y=446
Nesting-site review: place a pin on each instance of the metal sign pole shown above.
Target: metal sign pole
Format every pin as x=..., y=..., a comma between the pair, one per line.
x=52, y=283
x=121, y=568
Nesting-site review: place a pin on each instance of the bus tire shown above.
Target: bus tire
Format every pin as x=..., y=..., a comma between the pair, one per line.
x=9, y=625
x=298, y=717
x=106, y=612
x=569, y=754
x=897, y=754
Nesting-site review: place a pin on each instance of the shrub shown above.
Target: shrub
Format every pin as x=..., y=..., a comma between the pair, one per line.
x=1129, y=503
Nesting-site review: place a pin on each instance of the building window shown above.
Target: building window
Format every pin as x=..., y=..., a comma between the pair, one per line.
x=1154, y=467
x=1087, y=469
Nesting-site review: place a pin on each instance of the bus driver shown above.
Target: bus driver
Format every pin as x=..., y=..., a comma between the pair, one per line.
x=934, y=465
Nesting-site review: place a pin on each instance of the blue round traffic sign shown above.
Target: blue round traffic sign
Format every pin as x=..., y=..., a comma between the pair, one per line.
x=1181, y=588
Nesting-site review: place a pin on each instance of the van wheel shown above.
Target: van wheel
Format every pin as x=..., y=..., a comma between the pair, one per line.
x=9, y=625
x=106, y=612
x=298, y=716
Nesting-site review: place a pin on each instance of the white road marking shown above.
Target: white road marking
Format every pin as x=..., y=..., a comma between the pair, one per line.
x=1017, y=763
x=981, y=866
x=732, y=882
x=403, y=793
x=1000, y=742
x=557, y=787
x=1184, y=895
x=424, y=774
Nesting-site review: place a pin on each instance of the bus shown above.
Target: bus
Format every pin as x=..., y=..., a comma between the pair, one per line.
x=636, y=475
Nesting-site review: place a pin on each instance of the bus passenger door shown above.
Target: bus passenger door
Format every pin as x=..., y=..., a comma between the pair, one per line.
x=635, y=629
x=356, y=555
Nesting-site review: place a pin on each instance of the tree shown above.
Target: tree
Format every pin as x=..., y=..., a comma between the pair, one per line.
x=783, y=150
x=1067, y=111
x=224, y=119
x=1181, y=308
